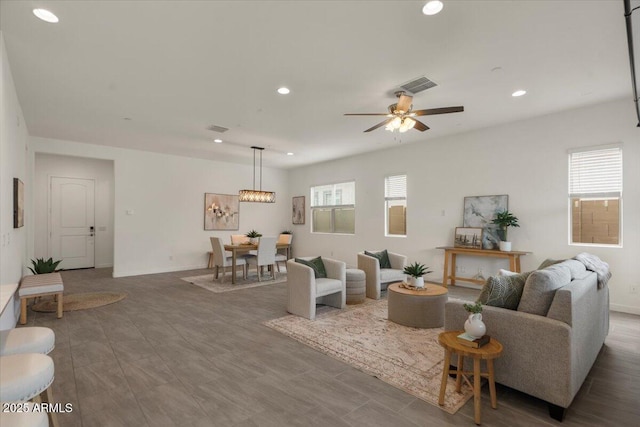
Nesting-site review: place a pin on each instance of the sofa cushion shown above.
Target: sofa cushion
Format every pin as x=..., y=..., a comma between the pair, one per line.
x=382, y=257
x=327, y=286
x=540, y=289
x=391, y=275
x=504, y=291
x=316, y=264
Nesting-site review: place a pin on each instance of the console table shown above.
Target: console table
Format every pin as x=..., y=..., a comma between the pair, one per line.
x=450, y=267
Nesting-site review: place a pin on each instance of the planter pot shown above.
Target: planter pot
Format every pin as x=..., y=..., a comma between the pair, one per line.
x=505, y=246
x=254, y=240
x=474, y=325
x=418, y=282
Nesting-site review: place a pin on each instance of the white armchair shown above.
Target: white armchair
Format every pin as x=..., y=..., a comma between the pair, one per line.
x=377, y=278
x=304, y=291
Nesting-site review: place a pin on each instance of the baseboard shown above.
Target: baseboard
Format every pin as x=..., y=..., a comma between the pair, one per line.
x=624, y=308
x=106, y=265
x=158, y=270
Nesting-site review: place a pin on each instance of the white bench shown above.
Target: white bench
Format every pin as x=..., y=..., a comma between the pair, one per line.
x=40, y=285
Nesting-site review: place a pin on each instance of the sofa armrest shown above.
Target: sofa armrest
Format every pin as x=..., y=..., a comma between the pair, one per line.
x=537, y=351
x=336, y=269
x=371, y=268
x=398, y=262
x=301, y=289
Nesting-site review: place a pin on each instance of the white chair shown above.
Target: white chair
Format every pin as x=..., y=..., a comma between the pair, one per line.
x=221, y=260
x=34, y=339
x=304, y=291
x=283, y=239
x=266, y=256
x=379, y=278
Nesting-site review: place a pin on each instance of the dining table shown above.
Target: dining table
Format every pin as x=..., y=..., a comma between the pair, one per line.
x=246, y=247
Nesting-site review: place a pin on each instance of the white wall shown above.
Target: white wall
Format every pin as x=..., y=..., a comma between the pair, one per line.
x=13, y=146
x=526, y=160
x=101, y=171
x=166, y=194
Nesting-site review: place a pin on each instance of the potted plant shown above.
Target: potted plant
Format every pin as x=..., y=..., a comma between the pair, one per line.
x=474, y=325
x=254, y=237
x=503, y=220
x=415, y=272
x=286, y=237
x=40, y=266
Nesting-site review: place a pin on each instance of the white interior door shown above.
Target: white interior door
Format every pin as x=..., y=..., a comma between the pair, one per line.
x=72, y=222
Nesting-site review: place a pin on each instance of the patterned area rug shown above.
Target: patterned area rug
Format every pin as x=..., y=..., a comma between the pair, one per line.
x=407, y=358
x=207, y=282
x=73, y=302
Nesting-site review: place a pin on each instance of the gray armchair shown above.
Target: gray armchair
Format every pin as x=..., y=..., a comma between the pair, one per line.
x=304, y=291
x=379, y=278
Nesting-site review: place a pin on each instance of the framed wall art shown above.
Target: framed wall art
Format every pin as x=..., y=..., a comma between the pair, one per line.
x=468, y=237
x=221, y=211
x=18, y=203
x=479, y=211
x=298, y=210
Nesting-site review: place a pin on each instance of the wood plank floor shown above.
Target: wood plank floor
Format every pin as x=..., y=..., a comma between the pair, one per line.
x=173, y=354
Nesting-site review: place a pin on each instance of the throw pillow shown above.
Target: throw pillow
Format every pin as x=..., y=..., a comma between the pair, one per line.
x=504, y=291
x=549, y=262
x=316, y=264
x=382, y=256
x=541, y=287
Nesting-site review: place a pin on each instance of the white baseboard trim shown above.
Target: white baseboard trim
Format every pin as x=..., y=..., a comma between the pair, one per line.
x=158, y=270
x=107, y=265
x=624, y=309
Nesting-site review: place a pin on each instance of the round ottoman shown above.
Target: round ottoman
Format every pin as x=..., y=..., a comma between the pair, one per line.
x=419, y=309
x=34, y=339
x=356, y=286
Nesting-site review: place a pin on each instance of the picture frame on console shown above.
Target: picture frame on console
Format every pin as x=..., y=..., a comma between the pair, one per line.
x=468, y=237
x=479, y=211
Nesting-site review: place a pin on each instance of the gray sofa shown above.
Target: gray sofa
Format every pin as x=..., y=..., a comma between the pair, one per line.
x=547, y=355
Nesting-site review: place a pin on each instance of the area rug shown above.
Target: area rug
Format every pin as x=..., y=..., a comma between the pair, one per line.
x=407, y=358
x=73, y=302
x=207, y=282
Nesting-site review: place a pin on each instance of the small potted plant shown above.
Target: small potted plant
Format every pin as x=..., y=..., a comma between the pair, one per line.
x=286, y=237
x=474, y=325
x=415, y=273
x=254, y=237
x=503, y=220
x=42, y=266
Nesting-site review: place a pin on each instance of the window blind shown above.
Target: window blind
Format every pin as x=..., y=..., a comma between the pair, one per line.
x=395, y=187
x=596, y=173
x=325, y=195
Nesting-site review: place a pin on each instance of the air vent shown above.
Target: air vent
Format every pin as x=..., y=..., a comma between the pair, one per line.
x=418, y=85
x=219, y=129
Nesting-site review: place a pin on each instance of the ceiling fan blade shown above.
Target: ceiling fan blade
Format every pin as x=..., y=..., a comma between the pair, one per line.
x=379, y=125
x=366, y=114
x=433, y=111
x=420, y=126
x=404, y=103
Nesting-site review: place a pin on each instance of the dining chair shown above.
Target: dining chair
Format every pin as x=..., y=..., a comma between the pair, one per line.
x=266, y=256
x=221, y=260
x=282, y=257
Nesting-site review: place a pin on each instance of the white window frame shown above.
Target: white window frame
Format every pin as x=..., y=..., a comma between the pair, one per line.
x=332, y=208
x=583, y=186
x=388, y=198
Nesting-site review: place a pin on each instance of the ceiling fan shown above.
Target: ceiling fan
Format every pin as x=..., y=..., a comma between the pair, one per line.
x=403, y=118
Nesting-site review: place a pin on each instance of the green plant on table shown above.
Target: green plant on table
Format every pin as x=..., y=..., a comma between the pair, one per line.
x=287, y=232
x=253, y=234
x=40, y=266
x=416, y=270
x=473, y=308
x=503, y=220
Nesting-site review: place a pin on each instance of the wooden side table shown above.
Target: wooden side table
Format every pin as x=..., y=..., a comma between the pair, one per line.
x=487, y=352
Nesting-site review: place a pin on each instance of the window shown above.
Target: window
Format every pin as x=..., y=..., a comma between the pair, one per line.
x=395, y=200
x=333, y=209
x=595, y=195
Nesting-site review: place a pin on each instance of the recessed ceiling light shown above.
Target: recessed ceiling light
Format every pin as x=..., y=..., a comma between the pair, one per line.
x=283, y=91
x=217, y=141
x=432, y=7
x=45, y=15
x=289, y=153
x=518, y=93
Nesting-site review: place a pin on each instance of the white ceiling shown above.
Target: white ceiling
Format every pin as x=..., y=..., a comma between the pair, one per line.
x=177, y=67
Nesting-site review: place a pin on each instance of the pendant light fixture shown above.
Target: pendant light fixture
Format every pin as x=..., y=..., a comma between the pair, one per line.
x=254, y=195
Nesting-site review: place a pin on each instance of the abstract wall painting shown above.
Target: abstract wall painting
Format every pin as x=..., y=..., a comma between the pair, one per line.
x=479, y=211
x=18, y=203
x=221, y=211
x=298, y=210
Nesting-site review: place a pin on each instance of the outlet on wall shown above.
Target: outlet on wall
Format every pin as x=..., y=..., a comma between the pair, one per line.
x=634, y=289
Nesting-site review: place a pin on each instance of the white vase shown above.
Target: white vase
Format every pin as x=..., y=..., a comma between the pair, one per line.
x=474, y=325
x=254, y=240
x=505, y=246
x=418, y=282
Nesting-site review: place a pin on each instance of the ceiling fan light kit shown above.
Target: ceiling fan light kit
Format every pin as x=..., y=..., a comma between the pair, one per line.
x=257, y=196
